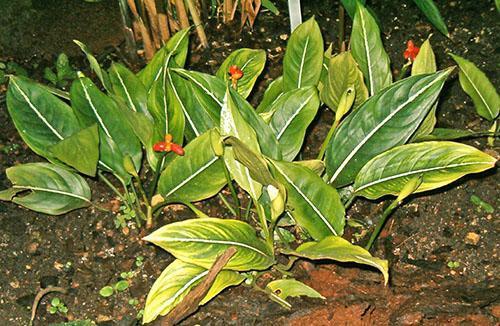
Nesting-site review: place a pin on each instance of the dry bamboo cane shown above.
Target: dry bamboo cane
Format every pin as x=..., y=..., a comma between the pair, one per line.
x=164, y=30
x=198, y=23
x=149, y=49
x=181, y=13
x=227, y=9
x=153, y=22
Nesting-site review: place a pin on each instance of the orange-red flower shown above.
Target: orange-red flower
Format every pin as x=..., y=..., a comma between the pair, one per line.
x=235, y=72
x=168, y=146
x=411, y=50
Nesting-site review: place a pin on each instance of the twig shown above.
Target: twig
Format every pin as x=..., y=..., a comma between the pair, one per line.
x=39, y=297
x=191, y=302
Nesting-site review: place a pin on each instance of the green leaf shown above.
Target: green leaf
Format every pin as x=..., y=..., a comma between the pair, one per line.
x=232, y=123
x=106, y=291
x=41, y=118
x=440, y=163
x=121, y=286
x=431, y=11
x=425, y=63
x=129, y=88
x=80, y=150
x=200, y=241
x=313, y=204
x=251, y=62
x=197, y=175
x=270, y=6
x=272, y=94
x=92, y=106
x=51, y=189
x=350, y=6
x=368, y=51
x=342, y=73
x=475, y=83
x=176, y=281
x=293, y=112
x=339, y=249
x=172, y=54
x=285, y=288
x=448, y=134
x=385, y=120
x=94, y=65
x=303, y=56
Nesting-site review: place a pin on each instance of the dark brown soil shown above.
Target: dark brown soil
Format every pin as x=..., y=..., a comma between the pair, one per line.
x=419, y=240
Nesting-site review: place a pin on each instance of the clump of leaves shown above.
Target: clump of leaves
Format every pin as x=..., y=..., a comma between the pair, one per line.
x=199, y=135
x=57, y=306
x=62, y=74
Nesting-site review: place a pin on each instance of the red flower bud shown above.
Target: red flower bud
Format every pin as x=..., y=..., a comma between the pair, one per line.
x=167, y=146
x=411, y=51
x=235, y=72
x=159, y=146
x=177, y=149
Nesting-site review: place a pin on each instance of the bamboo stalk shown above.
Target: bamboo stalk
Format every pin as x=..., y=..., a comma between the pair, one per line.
x=181, y=13
x=197, y=22
x=153, y=22
x=149, y=48
x=227, y=9
x=164, y=30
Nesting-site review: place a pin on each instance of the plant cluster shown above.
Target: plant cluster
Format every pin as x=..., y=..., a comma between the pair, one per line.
x=382, y=142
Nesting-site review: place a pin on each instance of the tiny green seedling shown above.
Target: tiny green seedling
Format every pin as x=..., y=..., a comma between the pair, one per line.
x=139, y=261
x=57, y=306
x=133, y=302
x=481, y=204
x=453, y=264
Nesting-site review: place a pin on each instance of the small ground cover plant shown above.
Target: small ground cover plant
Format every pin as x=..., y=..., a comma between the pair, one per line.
x=191, y=134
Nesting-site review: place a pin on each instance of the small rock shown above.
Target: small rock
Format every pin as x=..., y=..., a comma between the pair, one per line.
x=472, y=238
x=411, y=318
x=32, y=248
x=284, y=37
x=495, y=311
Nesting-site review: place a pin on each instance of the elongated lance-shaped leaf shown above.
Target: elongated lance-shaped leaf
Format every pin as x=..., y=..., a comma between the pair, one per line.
x=52, y=190
x=343, y=72
x=339, y=249
x=385, y=120
x=80, y=150
x=200, y=241
x=368, y=51
x=431, y=11
x=250, y=61
x=425, y=63
x=303, y=56
x=176, y=281
x=41, y=118
x=313, y=204
x=475, y=83
x=232, y=123
x=197, y=175
x=285, y=288
x=350, y=6
x=94, y=65
x=439, y=163
x=273, y=92
x=129, y=88
x=172, y=54
x=293, y=112
x=92, y=106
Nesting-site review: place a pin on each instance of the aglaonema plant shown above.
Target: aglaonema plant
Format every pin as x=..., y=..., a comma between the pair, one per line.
x=378, y=145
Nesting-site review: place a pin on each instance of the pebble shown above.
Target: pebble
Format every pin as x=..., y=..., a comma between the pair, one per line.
x=472, y=238
x=32, y=248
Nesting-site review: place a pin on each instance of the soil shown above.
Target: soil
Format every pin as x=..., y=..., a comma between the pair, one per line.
x=82, y=251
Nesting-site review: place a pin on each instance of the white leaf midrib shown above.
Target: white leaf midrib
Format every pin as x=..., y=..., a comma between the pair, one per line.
x=208, y=92
x=478, y=92
x=129, y=98
x=92, y=106
x=302, y=62
x=212, y=241
x=289, y=121
x=182, y=289
x=367, y=53
x=186, y=114
x=55, y=191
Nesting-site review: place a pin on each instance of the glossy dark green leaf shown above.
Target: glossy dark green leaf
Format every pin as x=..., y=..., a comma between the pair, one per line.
x=80, y=150
x=350, y=6
x=250, y=61
x=475, y=83
x=200, y=241
x=176, y=281
x=197, y=175
x=313, y=204
x=50, y=189
x=431, y=11
x=303, y=57
x=368, y=51
x=342, y=72
x=129, y=88
x=385, y=120
x=41, y=118
x=439, y=163
x=293, y=113
x=94, y=65
x=172, y=54
x=339, y=249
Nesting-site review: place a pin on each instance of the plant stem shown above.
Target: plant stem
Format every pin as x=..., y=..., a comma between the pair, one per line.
x=349, y=202
x=159, y=168
x=110, y=185
x=327, y=140
x=263, y=223
x=138, y=207
x=198, y=23
x=381, y=223
x=248, y=209
x=227, y=204
x=403, y=71
x=232, y=189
